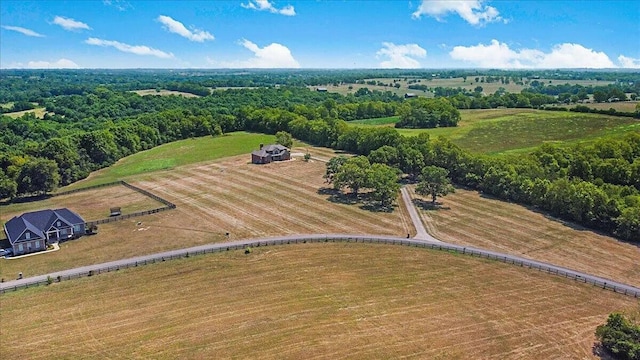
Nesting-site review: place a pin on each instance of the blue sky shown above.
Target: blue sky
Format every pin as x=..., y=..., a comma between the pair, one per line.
x=319, y=34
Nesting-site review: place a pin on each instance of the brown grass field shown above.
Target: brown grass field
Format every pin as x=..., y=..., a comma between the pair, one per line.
x=213, y=198
x=468, y=218
x=38, y=112
x=163, y=93
x=320, y=301
x=625, y=106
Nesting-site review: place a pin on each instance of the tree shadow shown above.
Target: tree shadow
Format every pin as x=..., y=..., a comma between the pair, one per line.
x=337, y=196
x=428, y=205
x=375, y=206
x=368, y=204
x=26, y=199
x=598, y=350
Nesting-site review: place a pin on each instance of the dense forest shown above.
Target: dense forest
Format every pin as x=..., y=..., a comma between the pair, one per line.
x=92, y=120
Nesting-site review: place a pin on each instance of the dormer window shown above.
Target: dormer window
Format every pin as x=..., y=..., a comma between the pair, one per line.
x=58, y=224
x=27, y=235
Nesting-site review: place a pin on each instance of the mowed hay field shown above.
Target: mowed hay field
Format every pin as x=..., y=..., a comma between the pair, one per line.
x=468, y=218
x=321, y=301
x=280, y=198
x=92, y=204
x=213, y=198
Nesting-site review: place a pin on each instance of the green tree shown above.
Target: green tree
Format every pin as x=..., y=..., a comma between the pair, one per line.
x=384, y=155
x=353, y=174
x=621, y=336
x=8, y=187
x=427, y=113
x=434, y=182
x=284, y=138
x=333, y=167
x=38, y=176
x=383, y=180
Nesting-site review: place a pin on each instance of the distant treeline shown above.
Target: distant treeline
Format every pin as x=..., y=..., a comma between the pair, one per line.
x=36, y=85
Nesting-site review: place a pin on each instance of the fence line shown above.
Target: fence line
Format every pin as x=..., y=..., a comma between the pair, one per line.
x=119, y=182
x=167, y=204
x=185, y=253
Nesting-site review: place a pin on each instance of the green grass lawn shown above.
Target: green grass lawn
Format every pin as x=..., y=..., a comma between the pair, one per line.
x=377, y=121
x=179, y=153
x=499, y=131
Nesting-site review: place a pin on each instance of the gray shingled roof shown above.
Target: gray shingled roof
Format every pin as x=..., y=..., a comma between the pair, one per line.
x=261, y=153
x=38, y=222
x=275, y=147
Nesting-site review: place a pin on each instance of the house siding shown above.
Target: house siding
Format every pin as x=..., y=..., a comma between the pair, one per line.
x=29, y=247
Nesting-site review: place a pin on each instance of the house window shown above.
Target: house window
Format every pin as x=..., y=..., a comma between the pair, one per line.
x=37, y=244
x=63, y=232
x=58, y=224
x=27, y=235
x=20, y=248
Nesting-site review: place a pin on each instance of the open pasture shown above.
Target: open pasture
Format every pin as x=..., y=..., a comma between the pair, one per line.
x=498, y=131
x=469, y=218
x=324, y=301
x=213, y=198
x=38, y=112
x=470, y=84
x=178, y=153
x=163, y=93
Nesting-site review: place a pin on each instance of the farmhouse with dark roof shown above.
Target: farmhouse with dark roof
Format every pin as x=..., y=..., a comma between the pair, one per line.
x=31, y=232
x=270, y=153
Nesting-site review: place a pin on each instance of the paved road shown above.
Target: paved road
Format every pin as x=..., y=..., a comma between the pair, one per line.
x=516, y=260
x=421, y=232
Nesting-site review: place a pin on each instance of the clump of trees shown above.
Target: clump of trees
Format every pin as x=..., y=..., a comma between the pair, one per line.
x=620, y=336
x=427, y=113
x=284, y=138
x=358, y=173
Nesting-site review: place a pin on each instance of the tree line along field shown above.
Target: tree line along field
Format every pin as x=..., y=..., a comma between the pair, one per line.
x=499, y=131
x=324, y=301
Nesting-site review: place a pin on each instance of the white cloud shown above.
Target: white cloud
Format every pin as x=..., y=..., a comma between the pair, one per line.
x=70, y=24
x=266, y=5
x=271, y=56
x=401, y=56
x=60, y=64
x=628, y=62
x=472, y=11
x=499, y=55
x=134, y=49
x=177, y=27
x=22, y=30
